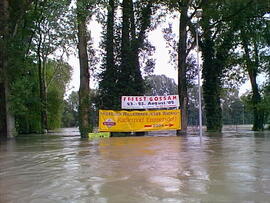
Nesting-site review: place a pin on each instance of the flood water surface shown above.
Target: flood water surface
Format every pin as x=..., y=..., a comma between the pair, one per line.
x=229, y=168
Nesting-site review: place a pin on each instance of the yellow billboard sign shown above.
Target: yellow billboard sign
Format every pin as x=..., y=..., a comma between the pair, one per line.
x=136, y=121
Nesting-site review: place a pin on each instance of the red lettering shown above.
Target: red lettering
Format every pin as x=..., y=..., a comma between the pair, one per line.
x=174, y=97
x=156, y=98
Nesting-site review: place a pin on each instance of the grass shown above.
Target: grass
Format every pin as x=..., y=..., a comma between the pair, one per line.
x=99, y=135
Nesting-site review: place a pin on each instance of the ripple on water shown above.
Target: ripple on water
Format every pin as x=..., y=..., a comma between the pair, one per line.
x=169, y=184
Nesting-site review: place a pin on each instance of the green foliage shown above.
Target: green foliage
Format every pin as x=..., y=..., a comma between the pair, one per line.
x=108, y=77
x=121, y=69
x=193, y=106
x=94, y=99
x=234, y=108
x=160, y=85
x=55, y=108
x=24, y=99
x=71, y=110
x=220, y=26
x=211, y=87
x=54, y=24
x=38, y=29
x=58, y=76
x=265, y=105
x=255, y=49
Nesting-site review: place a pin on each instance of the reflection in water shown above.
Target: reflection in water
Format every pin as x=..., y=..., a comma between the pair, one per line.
x=231, y=168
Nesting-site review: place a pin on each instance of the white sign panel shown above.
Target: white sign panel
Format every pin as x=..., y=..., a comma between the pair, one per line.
x=149, y=102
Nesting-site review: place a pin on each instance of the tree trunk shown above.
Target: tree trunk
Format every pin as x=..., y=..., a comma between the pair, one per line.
x=252, y=68
x=11, y=128
x=3, y=121
x=182, y=67
x=211, y=72
x=215, y=59
x=7, y=121
x=44, y=95
x=41, y=87
x=215, y=56
x=3, y=20
x=84, y=103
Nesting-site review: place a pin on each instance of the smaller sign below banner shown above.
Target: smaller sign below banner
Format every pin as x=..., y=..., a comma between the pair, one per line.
x=149, y=102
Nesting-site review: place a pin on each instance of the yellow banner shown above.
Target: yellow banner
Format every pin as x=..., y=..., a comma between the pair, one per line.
x=136, y=121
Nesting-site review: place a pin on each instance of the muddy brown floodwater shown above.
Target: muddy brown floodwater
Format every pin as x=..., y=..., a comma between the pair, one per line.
x=234, y=167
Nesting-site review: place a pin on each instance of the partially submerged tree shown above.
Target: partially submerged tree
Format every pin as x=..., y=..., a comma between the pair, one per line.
x=12, y=20
x=84, y=91
x=4, y=15
x=254, y=33
x=50, y=37
x=183, y=46
x=218, y=37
